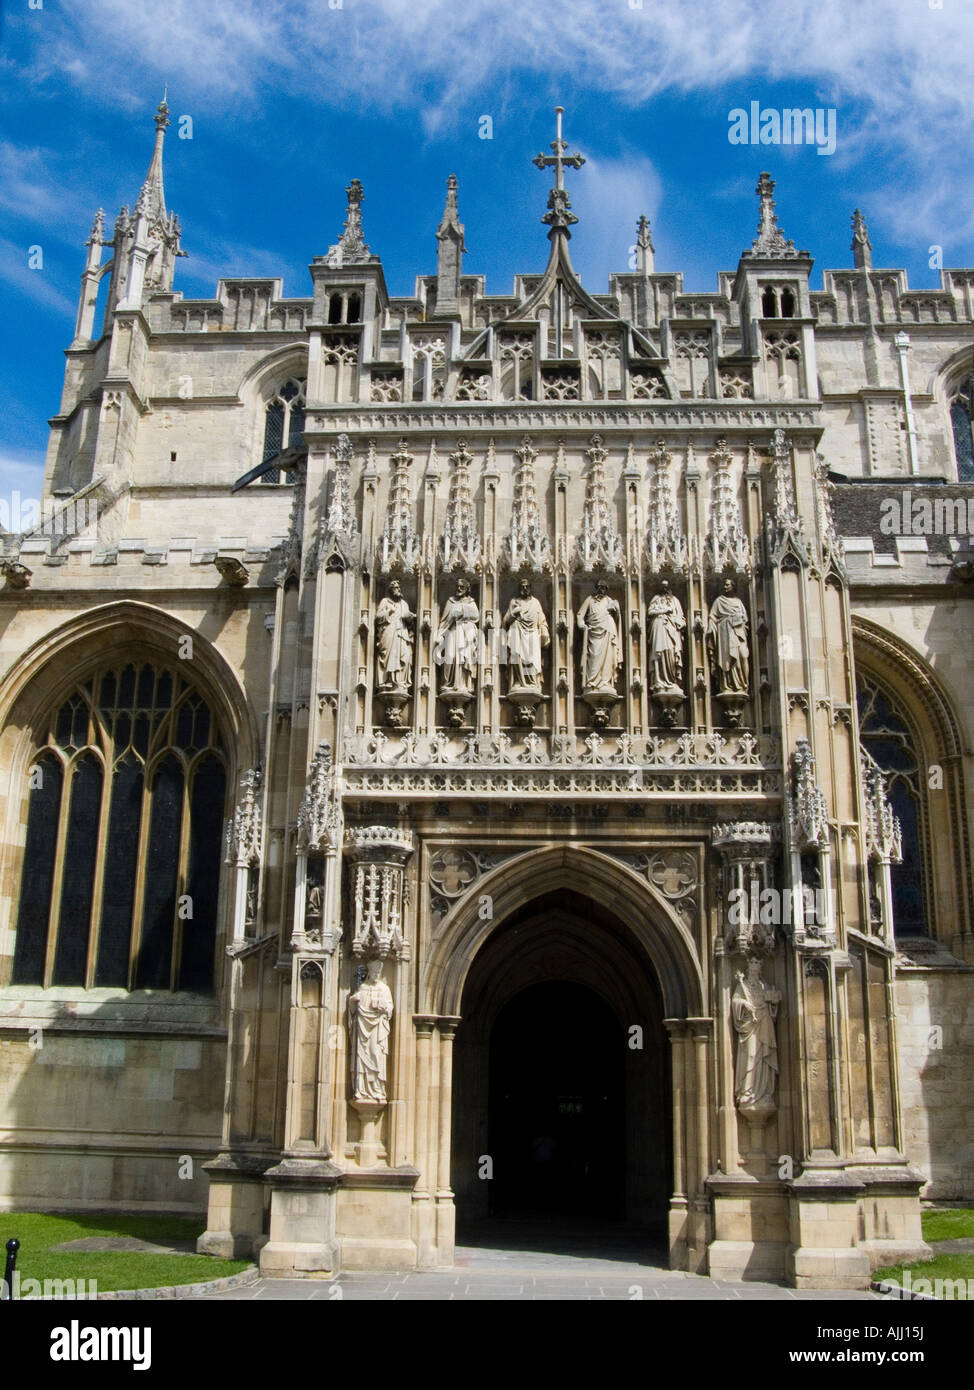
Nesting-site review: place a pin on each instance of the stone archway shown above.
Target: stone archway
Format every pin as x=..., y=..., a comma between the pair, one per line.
x=591, y=920
x=561, y=1073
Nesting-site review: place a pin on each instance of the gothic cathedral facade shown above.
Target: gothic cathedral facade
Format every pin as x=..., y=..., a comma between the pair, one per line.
x=472, y=756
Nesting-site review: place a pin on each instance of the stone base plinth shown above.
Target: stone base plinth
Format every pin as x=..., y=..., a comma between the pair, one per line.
x=824, y=1226
x=374, y=1218
x=751, y=1228
x=302, y=1241
x=740, y=1260
x=235, y=1212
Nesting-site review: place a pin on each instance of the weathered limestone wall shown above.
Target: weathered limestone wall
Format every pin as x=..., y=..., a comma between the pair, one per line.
x=103, y=1120
x=937, y=1077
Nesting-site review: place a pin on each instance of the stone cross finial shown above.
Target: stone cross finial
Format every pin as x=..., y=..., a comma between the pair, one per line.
x=770, y=240
x=644, y=246
x=559, y=215
x=862, y=250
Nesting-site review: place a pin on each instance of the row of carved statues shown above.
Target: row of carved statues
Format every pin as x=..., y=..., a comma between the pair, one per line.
x=754, y=1007
x=457, y=648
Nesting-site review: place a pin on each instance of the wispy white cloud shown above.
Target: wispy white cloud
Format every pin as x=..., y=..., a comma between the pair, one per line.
x=893, y=54
x=35, y=284
x=33, y=187
x=608, y=196
x=901, y=72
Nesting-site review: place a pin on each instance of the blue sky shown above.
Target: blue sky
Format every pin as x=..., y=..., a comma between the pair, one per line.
x=291, y=98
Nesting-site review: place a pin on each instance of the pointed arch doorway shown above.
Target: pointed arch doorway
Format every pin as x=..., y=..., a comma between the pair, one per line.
x=561, y=1098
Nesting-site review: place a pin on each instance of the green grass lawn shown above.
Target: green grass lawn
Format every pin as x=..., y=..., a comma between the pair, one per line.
x=112, y=1269
x=946, y=1224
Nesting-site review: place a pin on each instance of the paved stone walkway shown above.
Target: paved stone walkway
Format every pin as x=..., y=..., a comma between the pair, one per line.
x=513, y=1264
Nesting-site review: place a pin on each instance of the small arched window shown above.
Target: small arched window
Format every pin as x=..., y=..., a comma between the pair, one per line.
x=769, y=303
x=961, y=420
x=125, y=822
x=335, y=308
x=284, y=421
x=888, y=739
x=787, y=304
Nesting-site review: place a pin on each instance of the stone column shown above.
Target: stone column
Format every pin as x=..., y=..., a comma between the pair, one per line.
x=677, y=1220
x=424, y=1217
x=698, y=1150
x=445, y=1210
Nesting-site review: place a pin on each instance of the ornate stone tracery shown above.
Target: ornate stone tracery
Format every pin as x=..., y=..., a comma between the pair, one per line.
x=377, y=855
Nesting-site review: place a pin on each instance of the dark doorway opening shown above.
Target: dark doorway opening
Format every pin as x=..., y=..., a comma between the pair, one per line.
x=556, y=1105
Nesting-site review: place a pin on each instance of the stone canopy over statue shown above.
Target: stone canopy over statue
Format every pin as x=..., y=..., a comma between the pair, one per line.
x=369, y=1013
x=754, y=1008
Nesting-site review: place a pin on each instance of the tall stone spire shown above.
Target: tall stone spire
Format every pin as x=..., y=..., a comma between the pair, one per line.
x=559, y=216
x=862, y=250
x=449, y=254
x=350, y=249
x=147, y=242
x=645, y=250
x=770, y=240
x=152, y=195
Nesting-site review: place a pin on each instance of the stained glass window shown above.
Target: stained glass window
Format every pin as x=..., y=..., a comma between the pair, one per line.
x=124, y=828
x=887, y=737
x=284, y=423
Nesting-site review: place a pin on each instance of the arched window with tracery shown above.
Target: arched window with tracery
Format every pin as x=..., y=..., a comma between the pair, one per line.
x=887, y=738
x=284, y=421
x=962, y=425
x=126, y=809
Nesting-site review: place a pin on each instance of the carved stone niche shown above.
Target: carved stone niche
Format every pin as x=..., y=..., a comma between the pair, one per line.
x=377, y=856
x=747, y=850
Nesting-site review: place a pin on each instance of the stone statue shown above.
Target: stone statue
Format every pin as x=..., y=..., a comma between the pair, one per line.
x=599, y=620
x=527, y=632
x=369, y=1013
x=394, y=641
x=314, y=903
x=727, y=642
x=754, y=1008
x=666, y=627
x=456, y=641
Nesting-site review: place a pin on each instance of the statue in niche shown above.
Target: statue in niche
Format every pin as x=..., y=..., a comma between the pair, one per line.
x=455, y=646
x=527, y=632
x=600, y=620
x=667, y=625
x=394, y=641
x=754, y=1008
x=727, y=643
x=314, y=904
x=369, y=1014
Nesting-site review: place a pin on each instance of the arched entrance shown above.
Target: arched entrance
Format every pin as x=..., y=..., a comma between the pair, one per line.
x=561, y=1098
x=556, y=1127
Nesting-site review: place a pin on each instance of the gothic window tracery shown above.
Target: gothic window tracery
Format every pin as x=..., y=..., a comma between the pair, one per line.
x=429, y=368
x=962, y=425
x=517, y=367
x=125, y=819
x=284, y=422
x=887, y=738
